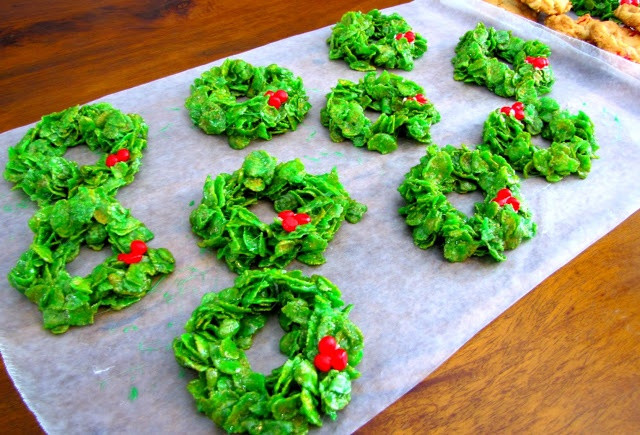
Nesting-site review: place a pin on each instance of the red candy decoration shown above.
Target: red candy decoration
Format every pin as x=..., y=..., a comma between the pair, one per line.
x=277, y=98
x=327, y=345
x=121, y=156
x=517, y=110
x=285, y=214
x=409, y=36
x=274, y=101
x=419, y=98
x=330, y=355
x=339, y=359
x=282, y=94
x=302, y=218
x=322, y=362
x=514, y=203
x=291, y=220
x=537, y=62
x=111, y=160
x=504, y=197
x=289, y=224
x=138, y=248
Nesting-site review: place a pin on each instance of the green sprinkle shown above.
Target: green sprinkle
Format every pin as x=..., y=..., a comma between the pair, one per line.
x=133, y=394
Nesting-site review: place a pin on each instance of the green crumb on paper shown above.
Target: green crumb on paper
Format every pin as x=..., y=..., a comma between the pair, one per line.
x=133, y=394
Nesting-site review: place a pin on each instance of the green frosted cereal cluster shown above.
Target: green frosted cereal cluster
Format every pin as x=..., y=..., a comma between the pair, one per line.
x=215, y=104
x=496, y=59
x=491, y=230
x=295, y=395
x=369, y=40
x=78, y=208
x=394, y=97
x=225, y=223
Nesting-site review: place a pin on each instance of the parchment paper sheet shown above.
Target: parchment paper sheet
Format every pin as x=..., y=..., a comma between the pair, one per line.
x=415, y=309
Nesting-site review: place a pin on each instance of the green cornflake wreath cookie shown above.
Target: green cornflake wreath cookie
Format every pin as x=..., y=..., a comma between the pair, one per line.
x=368, y=40
x=403, y=108
x=602, y=9
x=37, y=164
x=573, y=144
x=525, y=72
x=311, y=209
x=501, y=222
x=93, y=218
x=296, y=394
x=275, y=101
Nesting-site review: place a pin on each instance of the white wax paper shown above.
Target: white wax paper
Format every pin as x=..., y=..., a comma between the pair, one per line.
x=415, y=309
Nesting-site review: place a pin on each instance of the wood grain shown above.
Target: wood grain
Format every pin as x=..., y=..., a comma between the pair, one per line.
x=565, y=358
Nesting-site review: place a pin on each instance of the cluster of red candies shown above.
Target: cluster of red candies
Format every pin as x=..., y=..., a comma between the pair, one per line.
x=121, y=156
x=137, y=249
x=419, y=98
x=537, y=62
x=277, y=98
x=330, y=356
x=504, y=197
x=409, y=36
x=291, y=220
x=516, y=109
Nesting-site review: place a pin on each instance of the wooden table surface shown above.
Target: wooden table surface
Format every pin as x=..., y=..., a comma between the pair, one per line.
x=565, y=358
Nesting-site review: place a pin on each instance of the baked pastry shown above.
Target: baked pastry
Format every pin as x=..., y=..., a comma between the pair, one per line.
x=629, y=14
x=549, y=7
x=516, y=7
x=606, y=35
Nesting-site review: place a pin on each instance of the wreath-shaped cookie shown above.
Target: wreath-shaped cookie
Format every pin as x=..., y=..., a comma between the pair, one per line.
x=93, y=218
x=404, y=111
x=508, y=132
x=310, y=210
x=322, y=346
x=525, y=72
x=245, y=102
x=501, y=222
x=373, y=39
x=37, y=164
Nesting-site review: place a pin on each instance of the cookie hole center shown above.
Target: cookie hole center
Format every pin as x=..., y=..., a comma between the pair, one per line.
x=264, y=355
x=465, y=201
x=87, y=260
x=82, y=155
x=264, y=210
